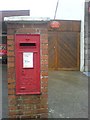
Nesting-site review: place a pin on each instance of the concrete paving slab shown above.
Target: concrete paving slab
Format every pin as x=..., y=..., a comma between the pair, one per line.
x=68, y=94
x=4, y=92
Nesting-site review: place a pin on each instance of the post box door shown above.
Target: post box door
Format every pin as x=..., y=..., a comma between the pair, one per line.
x=28, y=65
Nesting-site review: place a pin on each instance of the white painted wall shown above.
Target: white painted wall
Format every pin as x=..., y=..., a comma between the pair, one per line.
x=82, y=39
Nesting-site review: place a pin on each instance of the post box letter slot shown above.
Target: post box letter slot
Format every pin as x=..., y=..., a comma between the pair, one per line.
x=27, y=44
x=27, y=59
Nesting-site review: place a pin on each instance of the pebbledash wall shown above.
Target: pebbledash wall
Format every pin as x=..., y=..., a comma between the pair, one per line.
x=27, y=106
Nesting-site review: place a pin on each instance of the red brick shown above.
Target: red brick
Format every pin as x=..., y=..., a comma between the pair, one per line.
x=10, y=48
x=12, y=102
x=44, y=79
x=44, y=36
x=44, y=115
x=44, y=57
x=10, y=42
x=26, y=30
x=11, y=59
x=11, y=86
x=26, y=97
x=44, y=106
x=10, y=37
x=44, y=67
x=11, y=113
x=11, y=81
x=19, y=107
x=11, y=92
x=44, y=46
x=11, y=97
x=42, y=111
x=29, y=112
x=12, y=107
x=43, y=31
x=27, y=101
x=10, y=53
x=44, y=73
x=43, y=101
x=11, y=76
x=14, y=26
x=11, y=64
x=38, y=106
x=27, y=117
x=11, y=31
x=44, y=85
x=44, y=62
x=11, y=70
x=44, y=90
x=44, y=96
x=44, y=41
x=45, y=52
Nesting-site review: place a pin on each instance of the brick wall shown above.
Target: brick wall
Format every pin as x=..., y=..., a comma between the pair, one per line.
x=27, y=106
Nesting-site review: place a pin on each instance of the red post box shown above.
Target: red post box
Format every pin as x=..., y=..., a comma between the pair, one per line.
x=27, y=61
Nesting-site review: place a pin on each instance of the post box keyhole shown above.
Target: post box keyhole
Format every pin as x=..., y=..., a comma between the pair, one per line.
x=23, y=72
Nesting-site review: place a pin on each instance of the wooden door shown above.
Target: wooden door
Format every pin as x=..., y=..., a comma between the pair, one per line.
x=52, y=41
x=64, y=50
x=68, y=51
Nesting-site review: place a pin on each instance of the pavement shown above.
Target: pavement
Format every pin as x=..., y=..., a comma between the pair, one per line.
x=4, y=94
x=68, y=94
x=0, y=91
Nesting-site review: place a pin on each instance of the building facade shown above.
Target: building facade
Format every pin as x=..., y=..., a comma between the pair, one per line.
x=87, y=37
